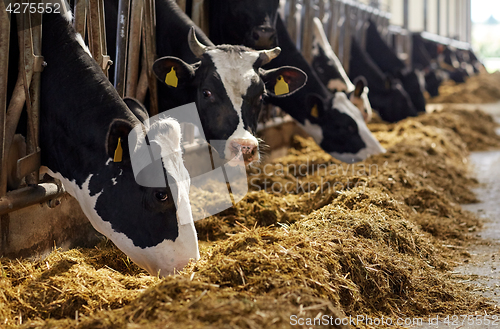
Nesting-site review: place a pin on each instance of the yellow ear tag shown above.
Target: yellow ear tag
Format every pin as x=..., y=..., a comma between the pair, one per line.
x=314, y=111
x=281, y=86
x=171, y=78
x=118, y=151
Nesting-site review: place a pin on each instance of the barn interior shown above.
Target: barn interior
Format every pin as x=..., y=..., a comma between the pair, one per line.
x=401, y=239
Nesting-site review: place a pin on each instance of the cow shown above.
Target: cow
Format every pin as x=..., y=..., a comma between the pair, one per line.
x=389, y=63
x=387, y=95
x=445, y=60
x=335, y=124
x=248, y=23
x=331, y=73
x=421, y=60
x=331, y=119
x=85, y=130
x=227, y=83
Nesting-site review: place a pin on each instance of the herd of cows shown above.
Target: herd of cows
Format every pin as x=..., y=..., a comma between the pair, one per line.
x=230, y=75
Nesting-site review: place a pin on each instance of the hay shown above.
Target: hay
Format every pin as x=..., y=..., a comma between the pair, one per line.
x=478, y=89
x=374, y=238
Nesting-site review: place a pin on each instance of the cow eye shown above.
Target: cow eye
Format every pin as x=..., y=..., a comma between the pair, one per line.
x=161, y=196
x=207, y=93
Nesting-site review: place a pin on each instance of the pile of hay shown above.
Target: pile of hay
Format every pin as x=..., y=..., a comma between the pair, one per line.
x=479, y=89
x=376, y=238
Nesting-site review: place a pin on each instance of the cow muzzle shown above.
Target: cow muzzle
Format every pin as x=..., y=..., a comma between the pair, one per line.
x=263, y=37
x=246, y=150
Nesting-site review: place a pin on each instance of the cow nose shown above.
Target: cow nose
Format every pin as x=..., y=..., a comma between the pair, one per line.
x=247, y=148
x=264, y=37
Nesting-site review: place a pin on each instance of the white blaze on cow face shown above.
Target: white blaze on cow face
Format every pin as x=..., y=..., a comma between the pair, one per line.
x=372, y=145
x=237, y=74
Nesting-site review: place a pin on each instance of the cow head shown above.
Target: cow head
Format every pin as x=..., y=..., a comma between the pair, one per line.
x=151, y=223
x=230, y=84
x=248, y=22
x=391, y=101
x=339, y=128
x=411, y=84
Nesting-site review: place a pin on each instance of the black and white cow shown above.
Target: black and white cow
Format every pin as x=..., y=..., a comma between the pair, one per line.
x=83, y=126
x=387, y=95
x=248, y=23
x=421, y=60
x=389, y=63
x=331, y=73
x=333, y=121
x=226, y=82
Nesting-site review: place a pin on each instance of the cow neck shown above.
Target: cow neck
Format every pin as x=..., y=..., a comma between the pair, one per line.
x=78, y=104
x=172, y=29
x=361, y=64
x=295, y=104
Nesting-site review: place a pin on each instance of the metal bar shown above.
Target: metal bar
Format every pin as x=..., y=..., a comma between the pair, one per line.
x=439, y=17
x=406, y=16
x=27, y=196
x=121, y=45
x=106, y=61
x=426, y=10
x=133, y=49
x=80, y=17
x=142, y=84
x=448, y=18
x=307, y=31
x=199, y=15
x=4, y=69
x=94, y=27
x=28, y=67
x=347, y=39
x=34, y=108
x=149, y=35
x=291, y=20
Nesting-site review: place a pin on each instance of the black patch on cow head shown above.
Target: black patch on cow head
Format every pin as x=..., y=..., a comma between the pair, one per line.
x=145, y=215
x=324, y=67
x=246, y=22
x=412, y=86
x=340, y=130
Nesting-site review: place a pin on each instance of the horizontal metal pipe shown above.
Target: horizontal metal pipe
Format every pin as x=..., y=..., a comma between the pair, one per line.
x=28, y=196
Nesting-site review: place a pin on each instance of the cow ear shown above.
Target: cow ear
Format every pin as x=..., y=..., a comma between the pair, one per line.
x=359, y=86
x=283, y=81
x=314, y=106
x=117, y=141
x=173, y=72
x=137, y=108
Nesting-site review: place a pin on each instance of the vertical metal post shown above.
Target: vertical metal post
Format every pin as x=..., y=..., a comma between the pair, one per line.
x=4, y=68
x=468, y=20
x=406, y=15
x=333, y=36
x=133, y=49
x=80, y=17
x=426, y=9
x=439, y=17
x=291, y=21
x=347, y=38
x=307, y=30
x=199, y=15
x=122, y=29
x=149, y=36
x=448, y=18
